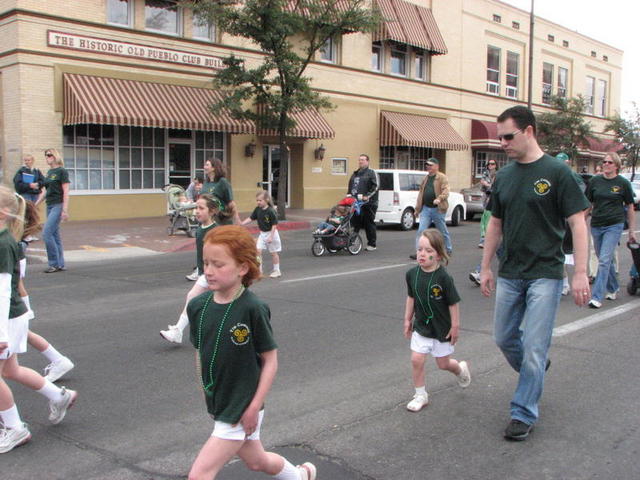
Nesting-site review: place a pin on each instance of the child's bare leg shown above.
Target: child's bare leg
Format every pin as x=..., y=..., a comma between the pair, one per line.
x=37, y=342
x=215, y=453
x=254, y=456
x=417, y=368
x=449, y=364
x=6, y=397
x=27, y=377
x=275, y=258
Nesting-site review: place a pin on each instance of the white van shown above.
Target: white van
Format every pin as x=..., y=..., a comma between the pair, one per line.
x=398, y=193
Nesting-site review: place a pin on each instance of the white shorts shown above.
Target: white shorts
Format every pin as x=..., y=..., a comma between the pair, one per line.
x=226, y=431
x=274, y=246
x=18, y=331
x=568, y=259
x=23, y=267
x=425, y=345
x=202, y=282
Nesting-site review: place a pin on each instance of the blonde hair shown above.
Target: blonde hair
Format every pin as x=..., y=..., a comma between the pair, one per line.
x=436, y=240
x=266, y=197
x=28, y=155
x=616, y=159
x=14, y=206
x=59, y=161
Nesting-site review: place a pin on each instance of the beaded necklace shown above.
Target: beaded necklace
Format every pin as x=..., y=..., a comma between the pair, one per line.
x=209, y=386
x=429, y=314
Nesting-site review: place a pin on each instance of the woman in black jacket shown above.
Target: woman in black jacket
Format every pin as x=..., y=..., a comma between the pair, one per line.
x=28, y=180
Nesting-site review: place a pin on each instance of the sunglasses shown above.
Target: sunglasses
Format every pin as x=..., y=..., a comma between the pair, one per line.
x=509, y=136
x=608, y=161
x=491, y=163
x=48, y=155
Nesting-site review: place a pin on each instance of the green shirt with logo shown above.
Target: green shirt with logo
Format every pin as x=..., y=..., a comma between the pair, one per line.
x=53, y=182
x=433, y=293
x=533, y=200
x=201, y=232
x=221, y=190
x=235, y=370
x=266, y=217
x=609, y=196
x=429, y=194
x=9, y=257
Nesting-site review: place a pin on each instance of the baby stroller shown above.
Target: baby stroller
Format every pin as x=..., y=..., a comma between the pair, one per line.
x=634, y=281
x=343, y=236
x=181, y=214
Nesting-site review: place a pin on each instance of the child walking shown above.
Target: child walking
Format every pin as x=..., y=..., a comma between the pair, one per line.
x=207, y=207
x=14, y=327
x=269, y=238
x=236, y=358
x=432, y=304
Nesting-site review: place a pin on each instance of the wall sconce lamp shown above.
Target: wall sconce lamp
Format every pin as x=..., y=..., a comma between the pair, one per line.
x=250, y=149
x=318, y=153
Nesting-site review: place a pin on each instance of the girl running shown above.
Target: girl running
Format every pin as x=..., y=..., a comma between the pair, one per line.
x=14, y=325
x=432, y=303
x=269, y=238
x=207, y=209
x=231, y=330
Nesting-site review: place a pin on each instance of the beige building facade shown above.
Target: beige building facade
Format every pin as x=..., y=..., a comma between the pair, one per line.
x=120, y=88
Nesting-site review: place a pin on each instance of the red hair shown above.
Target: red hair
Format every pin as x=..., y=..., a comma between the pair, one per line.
x=241, y=246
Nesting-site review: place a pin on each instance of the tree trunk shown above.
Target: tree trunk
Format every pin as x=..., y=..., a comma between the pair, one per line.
x=283, y=171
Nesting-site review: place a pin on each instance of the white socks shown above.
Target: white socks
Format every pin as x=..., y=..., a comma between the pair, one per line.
x=276, y=267
x=421, y=390
x=11, y=418
x=183, y=321
x=50, y=390
x=288, y=472
x=52, y=354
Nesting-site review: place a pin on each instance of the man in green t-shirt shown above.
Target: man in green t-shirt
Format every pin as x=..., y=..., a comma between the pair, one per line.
x=530, y=200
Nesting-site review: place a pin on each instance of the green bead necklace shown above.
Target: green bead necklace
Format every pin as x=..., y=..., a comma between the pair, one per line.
x=209, y=386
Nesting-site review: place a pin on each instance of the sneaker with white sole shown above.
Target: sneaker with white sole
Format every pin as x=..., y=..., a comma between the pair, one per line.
x=418, y=403
x=173, y=334
x=57, y=369
x=307, y=471
x=58, y=408
x=565, y=290
x=594, y=304
x=193, y=276
x=611, y=295
x=11, y=438
x=475, y=277
x=464, y=378
x=370, y=248
x=275, y=274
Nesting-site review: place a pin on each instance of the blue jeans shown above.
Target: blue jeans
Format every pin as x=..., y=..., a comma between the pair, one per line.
x=524, y=317
x=605, y=241
x=51, y=236
x=31, y=197
x=432, y=215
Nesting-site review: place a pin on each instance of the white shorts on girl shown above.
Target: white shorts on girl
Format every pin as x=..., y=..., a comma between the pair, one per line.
x=226, y=431
x=425, y=345
x=202, y=282
x=274, y=246
x=18, y=331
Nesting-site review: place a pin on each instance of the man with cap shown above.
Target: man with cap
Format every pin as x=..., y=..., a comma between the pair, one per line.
x=432, y=203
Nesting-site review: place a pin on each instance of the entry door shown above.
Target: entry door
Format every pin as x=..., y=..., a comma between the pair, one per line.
x=271, y=170
x=180, y=163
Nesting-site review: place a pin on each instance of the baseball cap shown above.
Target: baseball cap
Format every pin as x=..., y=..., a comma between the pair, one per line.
x=433, y=161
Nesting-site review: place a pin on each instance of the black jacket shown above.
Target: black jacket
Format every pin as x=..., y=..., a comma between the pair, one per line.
x=364, y=181
x=22, y=187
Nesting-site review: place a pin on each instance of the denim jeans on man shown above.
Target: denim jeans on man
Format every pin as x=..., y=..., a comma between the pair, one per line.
x=432, y=215
x=51, y=236
x=525, y=314
x=605, y=241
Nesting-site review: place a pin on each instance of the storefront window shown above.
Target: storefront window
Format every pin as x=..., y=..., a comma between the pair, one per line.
x=119, y=12
x=89, y=156
x=481, y=158
x=409, y=158
x=162, y=16
x=141, y=158
x=208, y=145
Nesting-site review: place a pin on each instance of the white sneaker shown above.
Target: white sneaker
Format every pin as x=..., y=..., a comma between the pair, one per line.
x=11, y=438
x=370, y=248
x=611, y=296
x=418, y=403
x=565, y=290
x=276, y=274
x=475, y=277
x=193, y=276
x=594, y=304
x=307, y=471
x=58, y=408
x=173, y=334
x=57, y=369
x=464, y=378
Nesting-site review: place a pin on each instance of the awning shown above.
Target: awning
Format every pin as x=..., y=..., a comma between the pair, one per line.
x=112, y=101
x=484, y=134
x=411, y=24
x=397, y=129
x=309, y=124
x=599, y=147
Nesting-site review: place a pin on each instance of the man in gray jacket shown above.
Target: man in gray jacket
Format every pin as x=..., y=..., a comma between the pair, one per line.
x=363, y=185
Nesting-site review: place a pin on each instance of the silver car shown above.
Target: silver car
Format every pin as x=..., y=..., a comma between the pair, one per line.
x=474, y=199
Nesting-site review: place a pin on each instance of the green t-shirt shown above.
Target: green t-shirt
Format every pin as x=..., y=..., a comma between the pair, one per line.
x=201, y=232
x=266, y=217
x=9, y=257
x=533, y=200
x=222, y=190
x=609, y=196
x=433, y=294
x=246, y=333
x=429, y=194
x=53, y=182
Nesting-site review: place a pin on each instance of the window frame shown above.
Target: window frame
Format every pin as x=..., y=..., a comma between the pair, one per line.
x=394, y=51
x=515, y=88
x=211, y=27
x=421, y=55
x=380, y=48
x=333, y=50
x=562, y=91
x=547, y=87
x=589, y=97
x=179, y=21
x=601, y=97
x=490, y=84
x=130, y=13
x=481, y=157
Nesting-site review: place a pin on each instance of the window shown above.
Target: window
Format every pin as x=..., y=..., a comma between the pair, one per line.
x=420, y=64
x=329, y=51
x=399, y=60
x=493, y=70
x=410, y=158
x=605, y=58
x=141, y=153
x=588, y=94
x=482, y=157
x=547, y=82
x=515, y=25
x=162, y=16
x=208, y=145
x=497, y=18
x=120, y=12
x=594, y=54
x=376, y=57
x=338, y=166
x=89, y=155
x=565, y=43
x=551, y=38
x=563, y=77
x=201, y=29
x=601, y=96
x=513, y=60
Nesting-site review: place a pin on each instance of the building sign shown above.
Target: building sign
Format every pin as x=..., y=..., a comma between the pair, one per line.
x=131, y=50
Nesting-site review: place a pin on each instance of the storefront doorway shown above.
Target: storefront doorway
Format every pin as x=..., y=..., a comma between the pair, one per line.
x=271, y=170
x=180, y=163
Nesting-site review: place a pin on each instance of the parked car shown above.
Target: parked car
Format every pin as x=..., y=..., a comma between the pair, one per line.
x=635, y=183
x=398, y=193
x=474, y=199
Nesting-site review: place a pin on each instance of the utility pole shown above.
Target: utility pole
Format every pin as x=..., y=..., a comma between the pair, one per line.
x=530, y=80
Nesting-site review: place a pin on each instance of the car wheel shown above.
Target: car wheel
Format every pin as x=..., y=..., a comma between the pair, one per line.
x=469, y=216
x=456, y=216
x=407, y=219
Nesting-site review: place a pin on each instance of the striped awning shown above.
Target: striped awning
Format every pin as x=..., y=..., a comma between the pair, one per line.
x=484, y=134
x=411, y=24
x=309, y=124
x=598, y=147
x=113, y=101
x=405, y=129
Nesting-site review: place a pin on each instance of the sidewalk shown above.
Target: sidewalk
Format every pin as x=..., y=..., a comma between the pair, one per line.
x=96, y=240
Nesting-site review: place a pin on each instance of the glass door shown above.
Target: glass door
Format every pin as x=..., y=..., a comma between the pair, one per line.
x=271, y=171
x=180, y=163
